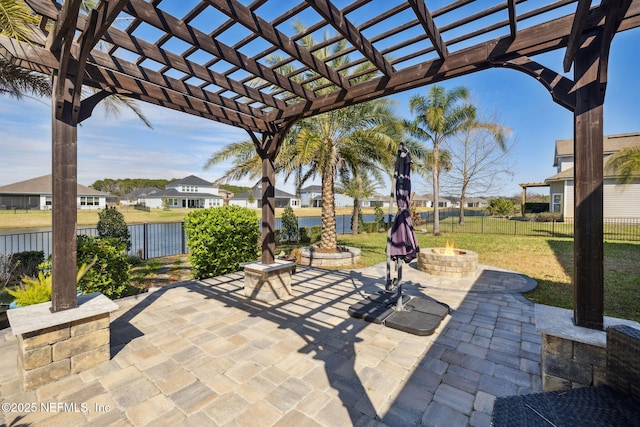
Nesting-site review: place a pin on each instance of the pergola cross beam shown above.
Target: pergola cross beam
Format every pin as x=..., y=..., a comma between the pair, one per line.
x=338, y=20
x=250, y=20
x=426, y=19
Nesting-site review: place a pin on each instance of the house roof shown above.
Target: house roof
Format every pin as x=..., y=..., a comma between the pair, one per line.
x=190, y=180
x=567, y=174
x=311, y=189
x=610, y=144
x=44, y=185
x=142, y=192
x=156, y=193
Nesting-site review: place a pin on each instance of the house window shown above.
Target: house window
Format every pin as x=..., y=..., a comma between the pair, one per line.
x=47, y=201
x=556, y=202
x=89, y=201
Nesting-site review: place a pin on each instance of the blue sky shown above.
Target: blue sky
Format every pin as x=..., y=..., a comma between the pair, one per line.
x=180, y=144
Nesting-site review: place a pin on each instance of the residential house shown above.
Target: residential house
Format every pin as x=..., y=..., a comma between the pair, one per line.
x=253, y=198
x=469, y=202
x=426, y=201
x=36, y=193
x=475, y=202
x=311, y=196
x=422, y=201
x=375, y=201
x=620, y=201
x=189, y=192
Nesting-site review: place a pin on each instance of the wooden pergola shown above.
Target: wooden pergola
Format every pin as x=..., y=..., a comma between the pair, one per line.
x=215, y=59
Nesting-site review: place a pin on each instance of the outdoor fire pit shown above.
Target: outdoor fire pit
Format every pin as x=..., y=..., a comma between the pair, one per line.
x=449, y=262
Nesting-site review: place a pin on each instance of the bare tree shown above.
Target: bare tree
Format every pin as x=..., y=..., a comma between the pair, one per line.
x=478, y=162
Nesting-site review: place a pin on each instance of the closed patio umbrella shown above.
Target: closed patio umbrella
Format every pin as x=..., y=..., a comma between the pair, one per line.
x=402, y=243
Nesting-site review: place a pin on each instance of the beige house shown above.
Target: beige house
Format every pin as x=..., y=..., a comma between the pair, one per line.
x=620, y=201
x=36, y=194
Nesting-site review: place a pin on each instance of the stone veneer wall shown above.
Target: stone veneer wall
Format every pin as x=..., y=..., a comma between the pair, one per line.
x=49, y=354
x=568, y=364
x=54, y=345
x=463, y=263
x=572, y=356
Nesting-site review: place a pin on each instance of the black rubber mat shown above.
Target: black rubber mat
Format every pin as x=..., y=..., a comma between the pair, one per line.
x=420, y=317
x=414, y=322
x=371, y=311
x=375, y=308
x=428, y=306
x=587, y=406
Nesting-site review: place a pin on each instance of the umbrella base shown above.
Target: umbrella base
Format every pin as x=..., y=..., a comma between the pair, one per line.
x=420, y=317
x=375, y=308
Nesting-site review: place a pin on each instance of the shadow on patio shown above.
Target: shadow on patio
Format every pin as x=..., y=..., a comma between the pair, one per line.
x=200, y=351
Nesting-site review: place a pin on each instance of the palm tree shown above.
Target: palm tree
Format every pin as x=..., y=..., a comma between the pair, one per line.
x=335, y=140
x=626, y=162
x=359, y=186
x=438, y=117
x=332, y=142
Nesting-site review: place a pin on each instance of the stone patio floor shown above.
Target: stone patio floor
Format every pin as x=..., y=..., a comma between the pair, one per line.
x=200, y=353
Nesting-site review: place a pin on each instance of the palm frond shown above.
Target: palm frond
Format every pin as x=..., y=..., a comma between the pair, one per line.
x=16, y=81
x=626, y=163
x=15, y=19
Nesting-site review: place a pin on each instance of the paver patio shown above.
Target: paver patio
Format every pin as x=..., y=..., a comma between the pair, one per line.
x=200, y=353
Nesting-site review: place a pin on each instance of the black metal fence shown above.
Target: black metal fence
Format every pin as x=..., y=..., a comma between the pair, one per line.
x=147, y=240
x=624, y=229
x=166, y=239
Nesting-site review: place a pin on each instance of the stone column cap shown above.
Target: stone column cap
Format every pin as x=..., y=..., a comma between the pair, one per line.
x=39, y=316
x=278, y=264
x=558, y=322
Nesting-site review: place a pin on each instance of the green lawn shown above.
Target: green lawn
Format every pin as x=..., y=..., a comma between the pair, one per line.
x=549, y=261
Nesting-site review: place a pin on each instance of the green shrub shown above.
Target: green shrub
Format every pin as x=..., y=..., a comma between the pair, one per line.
x=111, y=224
x=38, y=290
x=304, y=235
x=220, y=239
x=370, y=227
x=316, y=234
x=111, y=273
x=379, y=216
x=34, y=291
x=549, y=217
x=502, y=207
x=289, y=230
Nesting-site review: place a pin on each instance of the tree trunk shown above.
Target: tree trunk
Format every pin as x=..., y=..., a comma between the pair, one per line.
x=463, y=197
x=355, y=221
x=436, y=189
x=329, y=238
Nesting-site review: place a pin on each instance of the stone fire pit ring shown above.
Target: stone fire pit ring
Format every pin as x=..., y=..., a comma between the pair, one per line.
x=309, y=255
x=463, y=263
